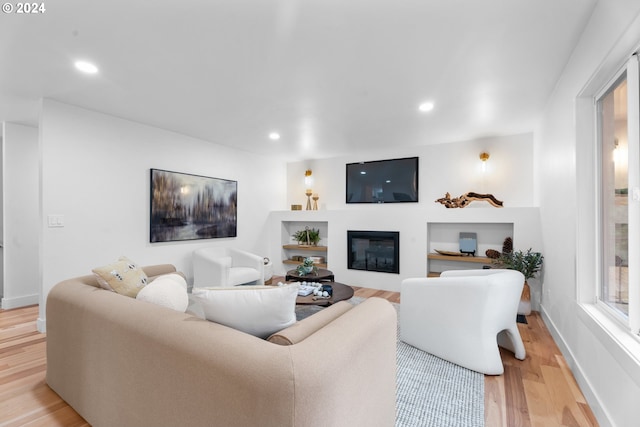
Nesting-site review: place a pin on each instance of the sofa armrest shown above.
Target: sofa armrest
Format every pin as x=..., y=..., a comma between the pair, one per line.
x=158, y=270
x=304, y=328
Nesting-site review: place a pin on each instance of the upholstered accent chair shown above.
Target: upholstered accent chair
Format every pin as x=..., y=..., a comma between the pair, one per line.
x=220, y=266
x=463, y=316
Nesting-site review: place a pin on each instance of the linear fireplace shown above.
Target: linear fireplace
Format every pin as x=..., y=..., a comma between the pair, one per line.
x=374, y=251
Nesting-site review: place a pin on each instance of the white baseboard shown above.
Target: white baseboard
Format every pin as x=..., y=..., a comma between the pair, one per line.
x=584, y=384
x=41, y=325
x=23, y=301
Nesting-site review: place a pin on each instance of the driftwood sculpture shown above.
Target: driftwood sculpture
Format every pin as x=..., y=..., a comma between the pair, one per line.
x=465, y=199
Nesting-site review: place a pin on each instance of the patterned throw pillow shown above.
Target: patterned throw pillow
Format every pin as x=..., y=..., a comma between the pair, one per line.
x=123, y=276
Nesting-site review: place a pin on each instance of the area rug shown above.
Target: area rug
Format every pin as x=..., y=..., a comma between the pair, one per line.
x=304, y=311
x=431, y=392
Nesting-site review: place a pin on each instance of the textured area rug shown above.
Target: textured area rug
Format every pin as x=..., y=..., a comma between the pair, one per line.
x=430, y=392
x=433, y=392
x=304, y=311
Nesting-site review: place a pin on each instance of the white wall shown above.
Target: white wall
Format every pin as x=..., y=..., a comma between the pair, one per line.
x=95, y=172
x=611, y=387
x=453, y=167
x=21, y=215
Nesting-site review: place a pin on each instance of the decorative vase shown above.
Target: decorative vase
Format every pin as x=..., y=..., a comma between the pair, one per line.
x=525, y=300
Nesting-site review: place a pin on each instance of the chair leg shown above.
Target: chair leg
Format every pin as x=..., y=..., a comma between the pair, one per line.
x=511, y=340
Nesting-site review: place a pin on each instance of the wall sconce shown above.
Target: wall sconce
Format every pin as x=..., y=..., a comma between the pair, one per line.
x=484, y=156
x=308, y=183
x=308, y=179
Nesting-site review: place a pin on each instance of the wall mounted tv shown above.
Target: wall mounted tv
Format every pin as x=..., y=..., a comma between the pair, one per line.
x=383, y=181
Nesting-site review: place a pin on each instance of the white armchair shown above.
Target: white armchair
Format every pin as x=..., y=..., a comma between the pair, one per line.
x=462, y=316
x=219, y=266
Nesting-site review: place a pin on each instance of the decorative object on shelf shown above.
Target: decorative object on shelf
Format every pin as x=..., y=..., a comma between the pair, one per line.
x=528, y=263
x=492, y=253
x=308, y=194
x=507, y=245
x=465, y=199
x=296, y=207
x=317, y=259
x=308, y=236
x=468, y=243
x=448, y=253
x=315, y=198
x=308, y=183
x=484, y=156
x=306, y=267
x=183, y=205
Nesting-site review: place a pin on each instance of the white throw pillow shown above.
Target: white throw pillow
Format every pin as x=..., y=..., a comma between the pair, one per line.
x=256, y=310
x=169, y=290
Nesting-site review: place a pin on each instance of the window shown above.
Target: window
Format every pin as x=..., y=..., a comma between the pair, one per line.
x=619, y=197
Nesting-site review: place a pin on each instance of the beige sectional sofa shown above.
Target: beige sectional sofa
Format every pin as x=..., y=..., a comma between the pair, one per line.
x=122, y=362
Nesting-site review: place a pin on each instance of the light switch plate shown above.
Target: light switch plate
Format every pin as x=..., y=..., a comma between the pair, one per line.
x=55, y=220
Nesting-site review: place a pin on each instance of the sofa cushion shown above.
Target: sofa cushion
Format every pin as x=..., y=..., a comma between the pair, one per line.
x=123, y=276
x=256, y=310
x=169, y=290
x=306, y=327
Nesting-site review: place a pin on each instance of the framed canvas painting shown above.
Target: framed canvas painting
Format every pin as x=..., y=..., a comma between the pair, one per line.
x=190, y=207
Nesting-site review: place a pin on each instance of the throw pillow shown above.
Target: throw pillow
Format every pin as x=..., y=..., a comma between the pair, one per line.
x=123, y=276
x=169, y=290
x=256, y=310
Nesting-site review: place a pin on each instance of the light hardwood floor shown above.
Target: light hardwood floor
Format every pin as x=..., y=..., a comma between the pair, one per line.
x=539, y=391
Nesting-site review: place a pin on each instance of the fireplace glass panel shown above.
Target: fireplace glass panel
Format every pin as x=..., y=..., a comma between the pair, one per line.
x=374, y=251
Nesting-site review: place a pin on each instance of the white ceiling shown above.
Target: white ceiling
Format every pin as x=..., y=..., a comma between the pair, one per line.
x=331, y=76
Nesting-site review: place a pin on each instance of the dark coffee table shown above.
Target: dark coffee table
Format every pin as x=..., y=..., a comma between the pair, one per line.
x=322, y=275
x=341, y=292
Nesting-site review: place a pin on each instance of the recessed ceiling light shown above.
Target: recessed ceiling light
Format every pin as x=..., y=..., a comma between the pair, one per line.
x=426, y=106
x=86, y=67
x=274, y=136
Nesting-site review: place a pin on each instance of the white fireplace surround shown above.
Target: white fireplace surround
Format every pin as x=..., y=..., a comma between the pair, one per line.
x=412, y=225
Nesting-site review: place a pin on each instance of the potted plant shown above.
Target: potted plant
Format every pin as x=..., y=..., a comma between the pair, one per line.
x=528, y=263
x=308, y=236
x=306, y=267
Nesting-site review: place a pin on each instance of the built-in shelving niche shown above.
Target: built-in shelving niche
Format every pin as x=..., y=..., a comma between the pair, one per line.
x=444, y=236
x=290, y=247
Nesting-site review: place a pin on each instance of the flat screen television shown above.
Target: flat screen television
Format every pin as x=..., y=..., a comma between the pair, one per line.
x=383, y=181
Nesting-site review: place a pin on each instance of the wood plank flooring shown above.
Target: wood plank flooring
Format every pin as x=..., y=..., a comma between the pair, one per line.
x=539, y=391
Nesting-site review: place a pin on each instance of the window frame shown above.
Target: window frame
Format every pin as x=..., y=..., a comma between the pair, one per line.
x=631, y=323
